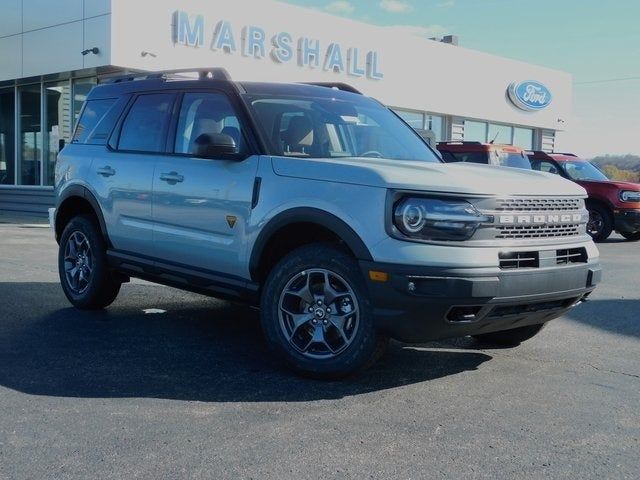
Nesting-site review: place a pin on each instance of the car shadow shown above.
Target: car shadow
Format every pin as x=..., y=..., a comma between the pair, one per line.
x=615, y=316
x=198, y=349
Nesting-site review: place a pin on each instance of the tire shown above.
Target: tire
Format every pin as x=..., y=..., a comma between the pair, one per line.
x=632, y=237
x=510, y=338
x=337, y=337
x=96, y=288
x=600, y=223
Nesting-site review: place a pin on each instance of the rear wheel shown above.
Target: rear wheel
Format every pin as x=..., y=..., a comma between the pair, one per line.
x=316, y=313
x=510, y=338
x=82, y=265
x=600, y=223
x=634, y=237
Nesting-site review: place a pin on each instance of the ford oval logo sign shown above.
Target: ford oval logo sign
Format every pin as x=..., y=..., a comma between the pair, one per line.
x=530, y=95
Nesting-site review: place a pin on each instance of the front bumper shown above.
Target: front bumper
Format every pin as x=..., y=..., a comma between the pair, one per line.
x=418, y=304
x=627, y=220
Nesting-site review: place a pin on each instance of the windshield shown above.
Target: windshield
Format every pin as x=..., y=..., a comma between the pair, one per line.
x=583, y=171
x=350, y=126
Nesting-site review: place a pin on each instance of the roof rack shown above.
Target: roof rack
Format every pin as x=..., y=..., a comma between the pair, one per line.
x=460, y=142
x=544, y=154
x=345, y=87
x=216, y=73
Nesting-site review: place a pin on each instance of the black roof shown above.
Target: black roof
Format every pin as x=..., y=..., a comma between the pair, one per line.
x=154, y=81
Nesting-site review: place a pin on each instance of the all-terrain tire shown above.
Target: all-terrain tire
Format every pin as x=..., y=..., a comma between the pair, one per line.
x=92, y=285
x=600, y=223
x=306, y=266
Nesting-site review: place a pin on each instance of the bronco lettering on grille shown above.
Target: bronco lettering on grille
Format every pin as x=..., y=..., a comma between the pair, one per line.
x=540, y=219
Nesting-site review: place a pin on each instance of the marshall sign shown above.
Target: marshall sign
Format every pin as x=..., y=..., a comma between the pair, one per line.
x=254, y=42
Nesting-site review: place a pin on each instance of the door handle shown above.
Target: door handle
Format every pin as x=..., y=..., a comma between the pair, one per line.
x=171, y=178
x=106, y=171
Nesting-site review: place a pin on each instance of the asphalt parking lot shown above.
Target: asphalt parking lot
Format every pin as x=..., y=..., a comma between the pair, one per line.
x=166, y=384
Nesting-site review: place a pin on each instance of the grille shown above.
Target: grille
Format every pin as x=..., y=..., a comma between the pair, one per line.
x=511, y=260
x=573, y=255
x=545, y=258
x=538, y=231
x=538, y=204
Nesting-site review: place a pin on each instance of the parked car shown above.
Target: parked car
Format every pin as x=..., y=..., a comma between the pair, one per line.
x=484, y=153
x=320, y=206
x=612, y=205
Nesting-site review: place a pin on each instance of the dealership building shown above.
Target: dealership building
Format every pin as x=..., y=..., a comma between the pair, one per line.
x=52, y=52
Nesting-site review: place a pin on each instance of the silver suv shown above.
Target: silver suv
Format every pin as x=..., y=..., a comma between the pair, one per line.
x=321, y=206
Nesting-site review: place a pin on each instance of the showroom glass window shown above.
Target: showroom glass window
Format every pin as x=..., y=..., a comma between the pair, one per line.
x=57, y=108
x=501, y=134
x=81, y=88
x=475, y=131
x=523, y=138
x=30, y=154
x=414, y=119
x=7, y=136
x=435, y=123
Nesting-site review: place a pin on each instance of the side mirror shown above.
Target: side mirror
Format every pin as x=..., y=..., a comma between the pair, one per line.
x=215, y=146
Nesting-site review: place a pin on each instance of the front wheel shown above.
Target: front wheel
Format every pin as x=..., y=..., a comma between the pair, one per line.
x=510, y=338
x=316, y=314
x=633, y=237
x=600, y=223
x=82, y=265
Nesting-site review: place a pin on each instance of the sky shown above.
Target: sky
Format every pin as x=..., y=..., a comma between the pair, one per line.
x=597, y=41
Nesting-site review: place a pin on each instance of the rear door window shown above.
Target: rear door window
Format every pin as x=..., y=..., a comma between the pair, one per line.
x=145, y=127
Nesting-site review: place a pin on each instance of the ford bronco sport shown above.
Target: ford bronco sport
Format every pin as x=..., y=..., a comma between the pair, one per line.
x=320, y=206
x=612, y=205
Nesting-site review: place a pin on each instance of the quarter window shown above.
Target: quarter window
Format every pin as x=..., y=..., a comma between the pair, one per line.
x=93, y=113
x=145, y=128
x=203, y=114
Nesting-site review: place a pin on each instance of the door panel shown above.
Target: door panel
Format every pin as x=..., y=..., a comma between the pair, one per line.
x=193, y=222
x=123, y=182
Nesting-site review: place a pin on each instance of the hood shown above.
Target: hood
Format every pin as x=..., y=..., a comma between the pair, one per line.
x=462, y=178
x=614, y=184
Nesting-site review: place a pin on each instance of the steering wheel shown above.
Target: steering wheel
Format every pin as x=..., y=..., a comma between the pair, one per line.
x=372, y=154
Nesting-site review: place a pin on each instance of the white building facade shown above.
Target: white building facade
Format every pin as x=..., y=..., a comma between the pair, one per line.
x=52, y=52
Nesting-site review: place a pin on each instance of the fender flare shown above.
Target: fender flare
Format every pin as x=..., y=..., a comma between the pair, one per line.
x=307, y=215
x=84, y=193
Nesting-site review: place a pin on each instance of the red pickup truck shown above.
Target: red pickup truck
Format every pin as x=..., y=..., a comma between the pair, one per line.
x=612, y=205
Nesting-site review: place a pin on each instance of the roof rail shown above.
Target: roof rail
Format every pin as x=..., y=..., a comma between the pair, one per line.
x=460, y=142
x=539, y=153
x=565, y=154
x=345, y=87
x=216, y=73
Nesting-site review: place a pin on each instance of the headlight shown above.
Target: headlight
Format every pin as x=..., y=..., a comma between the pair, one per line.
x=437, y=219
x=630, y=196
